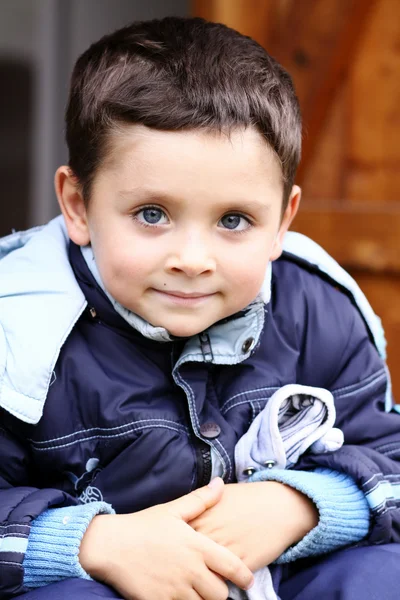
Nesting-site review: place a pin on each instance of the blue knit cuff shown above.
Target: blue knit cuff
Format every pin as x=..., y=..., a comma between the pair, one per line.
x=54, y=542
x=344, y=514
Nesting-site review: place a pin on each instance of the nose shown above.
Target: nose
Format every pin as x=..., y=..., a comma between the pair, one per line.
x=192, y=258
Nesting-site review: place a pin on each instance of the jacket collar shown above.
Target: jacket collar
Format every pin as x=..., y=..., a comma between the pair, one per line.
x=40, y=303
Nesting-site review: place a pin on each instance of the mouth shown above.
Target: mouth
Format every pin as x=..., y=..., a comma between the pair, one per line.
x=184, y=298
x=185, y=294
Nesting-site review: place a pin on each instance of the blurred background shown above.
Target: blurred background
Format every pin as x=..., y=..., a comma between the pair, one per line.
x=344, y=56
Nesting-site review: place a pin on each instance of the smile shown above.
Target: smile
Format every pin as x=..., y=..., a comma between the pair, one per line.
x=184, y=298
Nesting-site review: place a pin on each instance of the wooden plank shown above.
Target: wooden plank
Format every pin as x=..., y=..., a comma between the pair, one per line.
x=326, y=171
x=373, y=149
x=320, y=40
x=364, y=237
x=202, y=8
x=383, y=292
x=250, y=18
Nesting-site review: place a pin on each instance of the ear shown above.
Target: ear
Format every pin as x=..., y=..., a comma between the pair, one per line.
x=288, y=216
x=72, y=205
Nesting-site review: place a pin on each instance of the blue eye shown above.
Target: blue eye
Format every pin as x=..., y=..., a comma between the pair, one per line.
x=151, y=215
x=235, y=222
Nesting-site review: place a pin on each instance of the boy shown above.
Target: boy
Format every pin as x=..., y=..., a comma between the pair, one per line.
x=142, y=332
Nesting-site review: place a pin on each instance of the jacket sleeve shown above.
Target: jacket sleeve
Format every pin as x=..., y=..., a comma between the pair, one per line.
x=360, y=383
x=25, y=511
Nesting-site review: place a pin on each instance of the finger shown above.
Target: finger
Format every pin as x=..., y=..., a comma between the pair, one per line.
x=227, y=564
x=211, y=587
x=194, y=504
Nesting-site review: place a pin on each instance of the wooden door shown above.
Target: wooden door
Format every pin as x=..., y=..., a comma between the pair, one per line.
x=344, y=57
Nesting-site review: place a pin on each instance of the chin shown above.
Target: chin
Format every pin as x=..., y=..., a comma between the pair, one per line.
x=183, y=330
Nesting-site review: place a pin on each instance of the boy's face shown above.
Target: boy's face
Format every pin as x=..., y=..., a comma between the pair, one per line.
x=182, y=224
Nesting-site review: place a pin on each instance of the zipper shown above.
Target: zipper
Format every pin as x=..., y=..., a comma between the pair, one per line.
x=206, y=349
x=204, y=463
x=202, y=449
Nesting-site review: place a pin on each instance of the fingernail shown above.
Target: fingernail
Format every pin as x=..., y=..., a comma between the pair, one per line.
x=214, y=482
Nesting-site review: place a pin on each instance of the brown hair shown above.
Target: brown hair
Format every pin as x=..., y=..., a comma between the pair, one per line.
x=179, y=74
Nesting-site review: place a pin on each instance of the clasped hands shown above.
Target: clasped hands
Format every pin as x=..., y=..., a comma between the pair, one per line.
x=257, y=521
x=186, y=549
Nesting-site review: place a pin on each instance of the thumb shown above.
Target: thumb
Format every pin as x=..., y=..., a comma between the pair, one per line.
x=194, y=504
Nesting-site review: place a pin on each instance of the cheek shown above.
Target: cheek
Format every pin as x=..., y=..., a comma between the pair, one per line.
x=249, y=281
x=248, y=267
x=246, y=278
x=129, y=269
x=124, y=263
x=249, y=263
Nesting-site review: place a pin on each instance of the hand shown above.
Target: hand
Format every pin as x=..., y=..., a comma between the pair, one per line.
x=154, y=554
x=258, y=521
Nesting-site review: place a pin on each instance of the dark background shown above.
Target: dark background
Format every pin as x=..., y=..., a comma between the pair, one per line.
x=39, y=43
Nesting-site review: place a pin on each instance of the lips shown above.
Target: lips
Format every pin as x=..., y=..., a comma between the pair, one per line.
x=185, y=294
x=185, y=299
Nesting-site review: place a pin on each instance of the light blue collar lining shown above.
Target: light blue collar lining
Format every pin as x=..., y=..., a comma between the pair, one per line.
x=40, y=302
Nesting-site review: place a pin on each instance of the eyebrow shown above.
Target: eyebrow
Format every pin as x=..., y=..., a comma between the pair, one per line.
x=145, y=195
x=155, y=196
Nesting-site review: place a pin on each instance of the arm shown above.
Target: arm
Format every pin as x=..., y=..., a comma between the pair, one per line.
x=343, y=512
x=351, y=368
x=40, y=544
x=287, y=426
x=154, y=553
x=372, y=436
x=24, y=512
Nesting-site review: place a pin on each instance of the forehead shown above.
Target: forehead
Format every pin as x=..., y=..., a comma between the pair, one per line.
x=192, y=161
